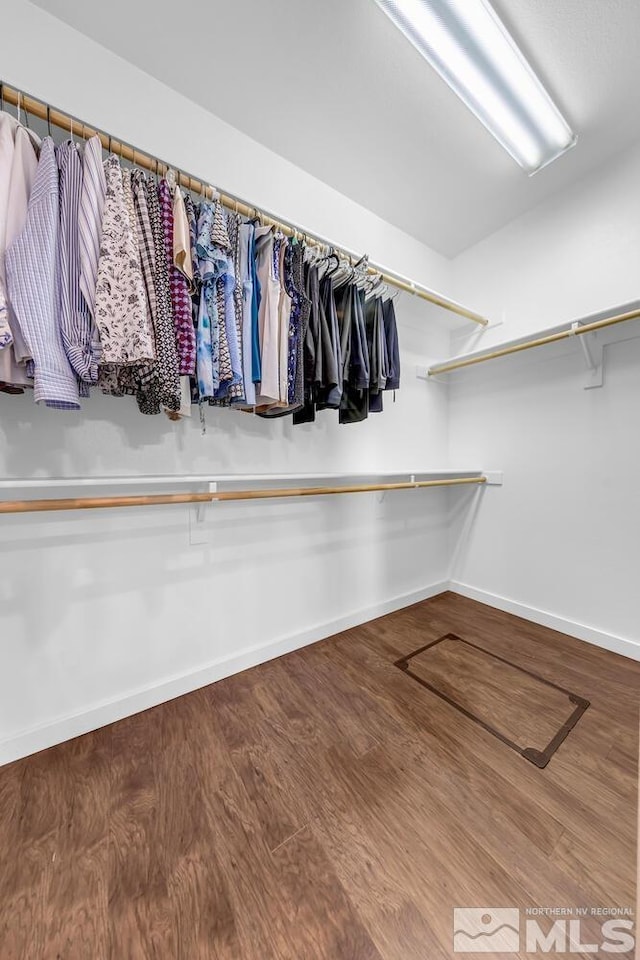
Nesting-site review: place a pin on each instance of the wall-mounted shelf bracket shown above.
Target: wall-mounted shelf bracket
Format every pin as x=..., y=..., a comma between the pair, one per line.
x=198, y=532
x=593, y=353
x=494, y=478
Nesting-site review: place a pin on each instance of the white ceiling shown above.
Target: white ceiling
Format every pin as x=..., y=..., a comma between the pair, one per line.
x=336, y=89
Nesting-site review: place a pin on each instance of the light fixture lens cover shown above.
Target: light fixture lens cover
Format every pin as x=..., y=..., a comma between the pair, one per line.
x=470, y=47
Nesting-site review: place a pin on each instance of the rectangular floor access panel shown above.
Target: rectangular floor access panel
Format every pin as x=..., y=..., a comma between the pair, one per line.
x=525, y=711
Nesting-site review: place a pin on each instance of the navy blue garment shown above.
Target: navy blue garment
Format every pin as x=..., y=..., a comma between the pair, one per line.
x=377, y=346
x=330, y=390
x=354, y=405
x=256, y=363
x=393, y=351
x=312, y=349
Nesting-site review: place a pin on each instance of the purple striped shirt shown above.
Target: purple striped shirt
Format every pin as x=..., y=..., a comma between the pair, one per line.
x=34, y=288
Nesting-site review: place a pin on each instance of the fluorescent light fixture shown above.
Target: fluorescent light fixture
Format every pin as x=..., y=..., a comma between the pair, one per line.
x=470, y=47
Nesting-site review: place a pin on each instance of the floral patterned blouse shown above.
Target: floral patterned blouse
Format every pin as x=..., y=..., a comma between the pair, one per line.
x=126, y=333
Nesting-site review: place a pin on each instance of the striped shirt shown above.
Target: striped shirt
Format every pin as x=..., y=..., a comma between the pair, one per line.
x=94, y=187
x=34, y=288
x=75, y=318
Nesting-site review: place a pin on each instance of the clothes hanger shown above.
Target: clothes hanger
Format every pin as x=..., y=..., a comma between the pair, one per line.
x=371, y=284
x=343, y=274
x=360, y=271
x=332, y=255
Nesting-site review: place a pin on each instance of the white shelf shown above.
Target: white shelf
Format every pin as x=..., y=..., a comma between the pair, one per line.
x=40, y=483
x=546, y=332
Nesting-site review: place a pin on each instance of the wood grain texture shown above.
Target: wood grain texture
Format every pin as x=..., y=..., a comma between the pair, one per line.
x=323, y=806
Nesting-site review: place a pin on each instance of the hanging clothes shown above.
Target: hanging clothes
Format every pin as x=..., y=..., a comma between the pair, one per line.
x=305, y=315
x=33, y=279
x=230, y=362
x=121, y=315
x=192, y=225
x=76, y=323
x=18, y=166
x=150, y=293
x=311, y=360
x=294, y=304
x=393, y=349
x=283, y=266
x=179, y=286
x=192, y=211
x=299, y=319
x=354, y=404
x=268, y=389
x=90, y=212
x=211, y=243
x=256, y=296
x=377, y=346
x=330, y=390
x=246, y=271
x=181, y=236
x=7, y=151
x=237, y=390
x=155, y=384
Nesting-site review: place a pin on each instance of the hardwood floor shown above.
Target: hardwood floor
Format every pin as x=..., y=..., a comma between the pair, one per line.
x=323, y=806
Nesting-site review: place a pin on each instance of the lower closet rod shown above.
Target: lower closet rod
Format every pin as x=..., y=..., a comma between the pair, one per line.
x=94, y=503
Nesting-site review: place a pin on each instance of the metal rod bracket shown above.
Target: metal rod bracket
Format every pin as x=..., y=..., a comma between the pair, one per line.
x=593, y=353
x=494, y=478
x=198, y=533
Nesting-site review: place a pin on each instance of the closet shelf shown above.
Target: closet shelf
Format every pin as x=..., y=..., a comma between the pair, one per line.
x=577, y=328
x=41, y=483
x=213, y=494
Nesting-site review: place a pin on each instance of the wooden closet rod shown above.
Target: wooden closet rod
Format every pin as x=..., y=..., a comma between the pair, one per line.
x=94, y=503
x=538, y=342
x=65, y=122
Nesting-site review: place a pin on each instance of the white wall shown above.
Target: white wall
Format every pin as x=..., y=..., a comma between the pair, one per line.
x=106, y=613
x=560, y=539
x=50, y=60
x=573, y=255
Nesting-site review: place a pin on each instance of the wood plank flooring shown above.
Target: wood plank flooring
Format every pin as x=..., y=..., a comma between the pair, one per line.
x=323, y=806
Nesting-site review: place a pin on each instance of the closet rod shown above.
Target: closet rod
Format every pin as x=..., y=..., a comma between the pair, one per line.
x=538, y=342
x=93, y=503
x=65, y=122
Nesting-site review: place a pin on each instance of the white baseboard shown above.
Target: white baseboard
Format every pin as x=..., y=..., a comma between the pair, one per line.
x=628, y=648
x=65, y=728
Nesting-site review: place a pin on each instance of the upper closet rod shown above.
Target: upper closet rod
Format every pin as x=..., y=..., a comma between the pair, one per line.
x=575, y=331
x=65, y=122
x=93, y=503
